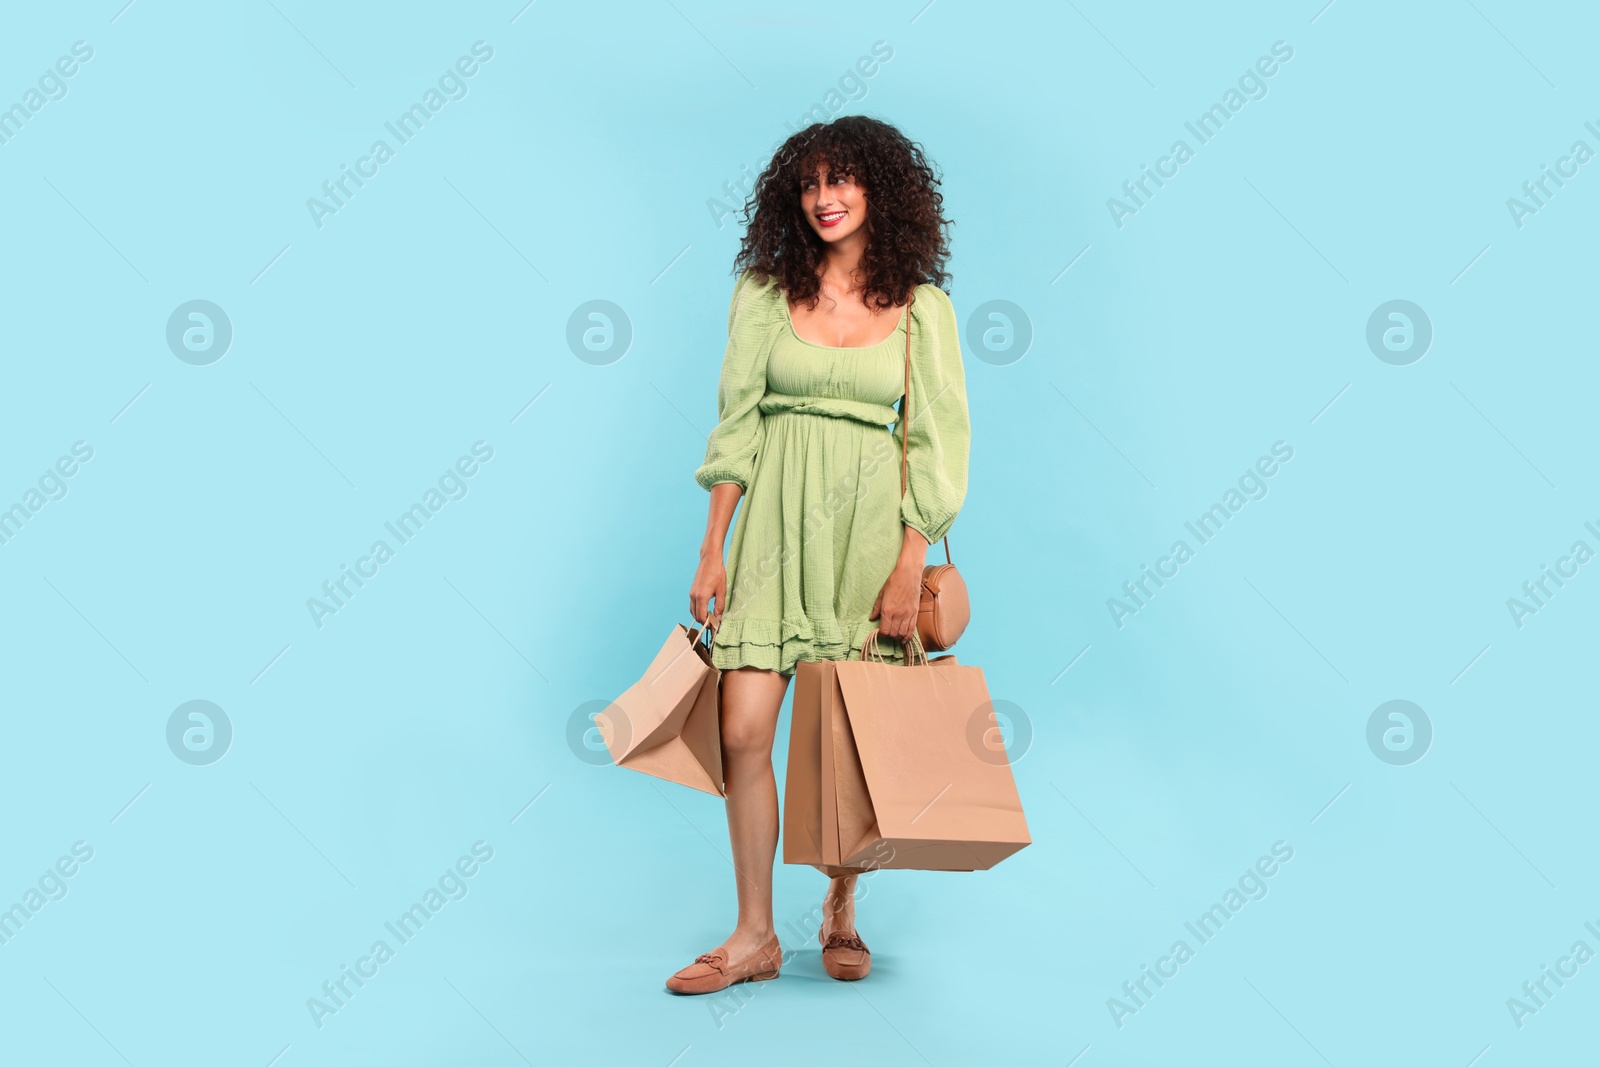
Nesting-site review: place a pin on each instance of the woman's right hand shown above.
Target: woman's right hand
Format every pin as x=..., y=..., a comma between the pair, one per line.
x=710, y=580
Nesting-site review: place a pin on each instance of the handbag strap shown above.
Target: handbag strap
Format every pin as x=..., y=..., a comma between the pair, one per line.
x=905, y=407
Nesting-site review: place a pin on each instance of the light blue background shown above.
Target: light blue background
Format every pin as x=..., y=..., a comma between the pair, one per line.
x=1228, y=714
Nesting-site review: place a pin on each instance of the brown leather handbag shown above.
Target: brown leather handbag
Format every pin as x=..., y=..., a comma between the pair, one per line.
x=945, y=611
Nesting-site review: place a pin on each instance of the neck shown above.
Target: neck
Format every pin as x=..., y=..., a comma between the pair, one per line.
x=841, y=262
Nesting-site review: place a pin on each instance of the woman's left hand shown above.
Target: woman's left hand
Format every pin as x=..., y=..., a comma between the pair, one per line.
x=899, y=601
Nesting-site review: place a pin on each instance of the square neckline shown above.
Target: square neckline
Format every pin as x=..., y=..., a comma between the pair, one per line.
x=789, y=318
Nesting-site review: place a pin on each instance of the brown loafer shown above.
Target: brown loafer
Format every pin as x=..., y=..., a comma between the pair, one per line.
x=711, y=971
x=845, y=956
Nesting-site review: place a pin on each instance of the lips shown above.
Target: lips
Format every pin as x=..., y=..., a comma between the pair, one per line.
x=831, y=218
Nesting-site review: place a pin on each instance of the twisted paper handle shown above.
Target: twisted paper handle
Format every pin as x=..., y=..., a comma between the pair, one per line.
x=707, y=626
x=913, y=647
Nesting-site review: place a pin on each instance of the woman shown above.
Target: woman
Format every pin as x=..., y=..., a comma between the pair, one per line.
x=845, y=251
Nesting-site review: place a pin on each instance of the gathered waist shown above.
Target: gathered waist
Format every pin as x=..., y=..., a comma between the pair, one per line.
x=879, y=415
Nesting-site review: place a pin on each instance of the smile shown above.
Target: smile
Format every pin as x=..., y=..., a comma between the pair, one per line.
x=832, y=218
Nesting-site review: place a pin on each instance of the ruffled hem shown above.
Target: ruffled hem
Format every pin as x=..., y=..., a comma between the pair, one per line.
x=775, y=646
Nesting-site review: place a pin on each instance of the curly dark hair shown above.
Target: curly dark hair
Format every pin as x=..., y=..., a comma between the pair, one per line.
x=907, y=234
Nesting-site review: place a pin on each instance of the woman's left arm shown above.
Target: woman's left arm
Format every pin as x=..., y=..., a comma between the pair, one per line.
x=937, y=447
x=940, y=435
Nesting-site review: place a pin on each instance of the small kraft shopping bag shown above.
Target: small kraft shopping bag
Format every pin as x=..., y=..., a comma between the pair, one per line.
x=667, y=724
x=891, y=766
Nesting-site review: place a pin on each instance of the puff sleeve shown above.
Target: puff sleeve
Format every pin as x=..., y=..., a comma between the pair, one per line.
x=940, y=437
x=732, y=447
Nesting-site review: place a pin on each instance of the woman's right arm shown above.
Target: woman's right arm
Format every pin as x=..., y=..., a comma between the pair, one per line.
x=710, y=576
x=732, y=446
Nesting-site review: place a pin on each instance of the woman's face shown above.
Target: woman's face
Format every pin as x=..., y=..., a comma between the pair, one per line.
x=835, y=205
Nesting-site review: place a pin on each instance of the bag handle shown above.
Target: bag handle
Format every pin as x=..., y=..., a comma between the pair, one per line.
x=905, y=426
x=695, y=635
x=913, y=648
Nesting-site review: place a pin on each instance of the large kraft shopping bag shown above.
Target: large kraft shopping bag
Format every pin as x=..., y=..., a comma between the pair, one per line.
x=667, y=724
x=886, y=769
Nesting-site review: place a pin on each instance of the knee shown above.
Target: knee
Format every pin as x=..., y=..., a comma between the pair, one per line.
x=743, y=739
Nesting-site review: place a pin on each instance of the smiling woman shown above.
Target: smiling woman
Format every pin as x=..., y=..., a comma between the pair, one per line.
x=838, y=306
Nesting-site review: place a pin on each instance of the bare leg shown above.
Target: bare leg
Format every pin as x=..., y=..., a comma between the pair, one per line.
x=751, y=698
x=839, y=906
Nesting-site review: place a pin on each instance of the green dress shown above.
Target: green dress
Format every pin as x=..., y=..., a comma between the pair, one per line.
x=806, y=430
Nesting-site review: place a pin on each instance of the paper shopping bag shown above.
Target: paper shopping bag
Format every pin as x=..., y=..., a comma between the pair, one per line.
x=889, y=768
x=667, y=723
